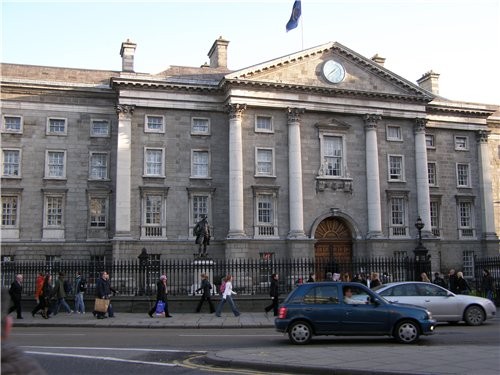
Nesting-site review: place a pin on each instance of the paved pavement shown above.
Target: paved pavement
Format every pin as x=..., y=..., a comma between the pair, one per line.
x=426, y=358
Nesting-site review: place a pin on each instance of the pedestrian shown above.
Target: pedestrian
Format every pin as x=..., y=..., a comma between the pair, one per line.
x=227, y=296
x=15, y=292
x=374, y=280
x=346, y=277
x=80, y=287
x=14, y=361
x=60, y=294
x=424, y=277
x=274, y=293
x=312, y=278
x=161, y=297
x=45, y=298
x=38, y=286
x=438, y=280
x=462, y=285
x=103, y=290
x=487, y=285
x=452, y=281
x=206, y=288
x=329, y=276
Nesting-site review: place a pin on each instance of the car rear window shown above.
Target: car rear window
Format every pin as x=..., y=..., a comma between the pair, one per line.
x=322, y=295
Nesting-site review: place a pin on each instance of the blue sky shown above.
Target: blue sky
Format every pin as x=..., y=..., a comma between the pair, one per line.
x=459, y=39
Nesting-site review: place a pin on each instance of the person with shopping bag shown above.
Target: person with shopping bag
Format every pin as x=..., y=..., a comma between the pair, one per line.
x=103, y=292
x=161, y=298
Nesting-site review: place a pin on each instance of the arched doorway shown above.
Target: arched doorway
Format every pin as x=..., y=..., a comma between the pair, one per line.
x=333, y=246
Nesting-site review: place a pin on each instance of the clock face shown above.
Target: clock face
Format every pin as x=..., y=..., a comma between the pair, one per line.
x=333, y=71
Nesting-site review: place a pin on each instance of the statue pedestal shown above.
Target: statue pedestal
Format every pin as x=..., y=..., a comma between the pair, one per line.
x=202, y=265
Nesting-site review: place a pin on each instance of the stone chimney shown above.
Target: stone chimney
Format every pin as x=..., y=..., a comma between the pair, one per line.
x=218, y=53
x=127, y=53
x=430, y=82
x=379, y=59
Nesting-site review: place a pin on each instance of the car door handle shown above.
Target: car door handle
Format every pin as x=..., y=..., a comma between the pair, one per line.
x=427, y=300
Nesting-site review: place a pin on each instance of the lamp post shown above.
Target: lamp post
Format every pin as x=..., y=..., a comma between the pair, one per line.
x=143, y=264
x=420, y=251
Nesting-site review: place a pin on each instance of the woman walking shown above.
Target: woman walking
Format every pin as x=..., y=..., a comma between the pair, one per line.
x=274, y=293
x=161, y=296
x=44, y=298
x=227, y=296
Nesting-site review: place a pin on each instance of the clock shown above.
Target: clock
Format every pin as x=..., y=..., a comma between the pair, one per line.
x=333, y=71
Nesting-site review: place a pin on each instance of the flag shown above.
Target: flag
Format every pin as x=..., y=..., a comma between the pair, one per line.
x=294, y=18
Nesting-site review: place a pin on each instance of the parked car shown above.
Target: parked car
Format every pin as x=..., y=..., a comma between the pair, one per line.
x=321, y=308
x=444, y=305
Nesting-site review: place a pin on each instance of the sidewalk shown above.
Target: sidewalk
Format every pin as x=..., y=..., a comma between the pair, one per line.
x=318, y=359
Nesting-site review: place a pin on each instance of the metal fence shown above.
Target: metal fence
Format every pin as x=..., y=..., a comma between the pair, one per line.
x=250, y=277
x=492, y=264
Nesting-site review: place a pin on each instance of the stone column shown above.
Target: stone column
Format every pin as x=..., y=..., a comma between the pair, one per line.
x=296, y=205
x=123, y=170
x=373, y=177
x=423, y=194
x=485, y=187
x=236, y=225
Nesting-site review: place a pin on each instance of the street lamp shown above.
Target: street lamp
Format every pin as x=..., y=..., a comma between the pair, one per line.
x=420, y=251
x=419, y=225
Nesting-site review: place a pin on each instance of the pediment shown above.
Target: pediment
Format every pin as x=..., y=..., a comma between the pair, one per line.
x=303, y=70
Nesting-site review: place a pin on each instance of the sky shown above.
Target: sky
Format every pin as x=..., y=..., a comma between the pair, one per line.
x=458, y=39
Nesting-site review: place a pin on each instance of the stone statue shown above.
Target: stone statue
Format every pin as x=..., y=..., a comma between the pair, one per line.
x=202, y=233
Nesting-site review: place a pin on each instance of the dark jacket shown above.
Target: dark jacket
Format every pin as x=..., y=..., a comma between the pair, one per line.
x=274, y=289
x=206, y=287
x=462, y=286
x=453, y=279
x=103, y=288
x=161, y=291
x=59, y=288
x=15, y=291
x=487, y=283
x=47, y=291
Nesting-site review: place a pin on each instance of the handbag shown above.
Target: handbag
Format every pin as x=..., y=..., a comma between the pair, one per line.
x=160, y=307
x=101, y=305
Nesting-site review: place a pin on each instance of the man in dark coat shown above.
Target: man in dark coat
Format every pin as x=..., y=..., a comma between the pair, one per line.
x=202, y=233
x=15, y=292
x=103, y=290
x=274, y=293
x=205, y=287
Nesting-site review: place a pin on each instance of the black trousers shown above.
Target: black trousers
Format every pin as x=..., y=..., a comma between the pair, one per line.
x=210, y=304
x=17, y=307
x=273, y=306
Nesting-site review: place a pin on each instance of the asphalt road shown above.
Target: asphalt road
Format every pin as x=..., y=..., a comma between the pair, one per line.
x=78, y=350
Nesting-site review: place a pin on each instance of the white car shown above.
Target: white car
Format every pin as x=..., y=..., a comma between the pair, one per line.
x=444, y=305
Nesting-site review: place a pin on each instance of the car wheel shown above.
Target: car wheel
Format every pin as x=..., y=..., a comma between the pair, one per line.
x=407, y=332
x=300, y=333
x=474, y=316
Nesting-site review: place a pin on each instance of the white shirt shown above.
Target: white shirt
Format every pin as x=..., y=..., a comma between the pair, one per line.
x=228, y=290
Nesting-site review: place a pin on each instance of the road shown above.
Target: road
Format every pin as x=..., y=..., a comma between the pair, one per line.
x=180, y=351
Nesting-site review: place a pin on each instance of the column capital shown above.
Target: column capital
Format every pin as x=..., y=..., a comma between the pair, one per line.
x=235, y=110
x=482, y=136
x=371, y=120
x=420, y=125
x=294, y=114
x=125, y=110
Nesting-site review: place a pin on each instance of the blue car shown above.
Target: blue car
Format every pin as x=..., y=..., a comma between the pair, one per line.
x=348, y=309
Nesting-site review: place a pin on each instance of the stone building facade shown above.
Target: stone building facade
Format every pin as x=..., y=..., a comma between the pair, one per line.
x=323, y=153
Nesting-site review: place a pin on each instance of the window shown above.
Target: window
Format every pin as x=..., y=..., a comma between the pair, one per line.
x=153, y=215
x=10, y=211
x=432, y=173
x=153, y=162
x=463, y=177
x=461, y=143
x=430, y=141
x=154, y=124
x=465, y=220
x=200, y=201
x=398, y=226
x=12, y=124
x=56, y=126
x=266, y=221
x=263, y=124
x=99, y=128
x=332, y=148
x=468, y=264
x=264, y=162
x=322, y=295
x=394, y=133
x=98, y=166
x=98, y=208
x=53, y=211
x=200, y=126
x=396, y=168
x=11, y=163
x=435, y=218
x=55, y=164
x=200, y=164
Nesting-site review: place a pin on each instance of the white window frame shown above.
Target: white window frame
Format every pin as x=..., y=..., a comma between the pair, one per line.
x=435, y=214
x=259, y=171
x=398, y=177
x=196, y=210
x=10, y=211
x=156, y=229
x=48, y=174
x=259, y=129
x=148, y=164
x=468, y=264
x=99, y=134
x=53, y=230
x=92, y=167
x=147, y=124
x=10, y=130
x=390, y=137
x=325, y=165
x=459, y=175
x=399, y=229
x=194, y=164
x=195, y=130
x=98, y=220
x=430, y=141
x=465, y=218
x=265, y=229
x=432, y=175
x=461, y=143
x=49, y=131
x=11, y=164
